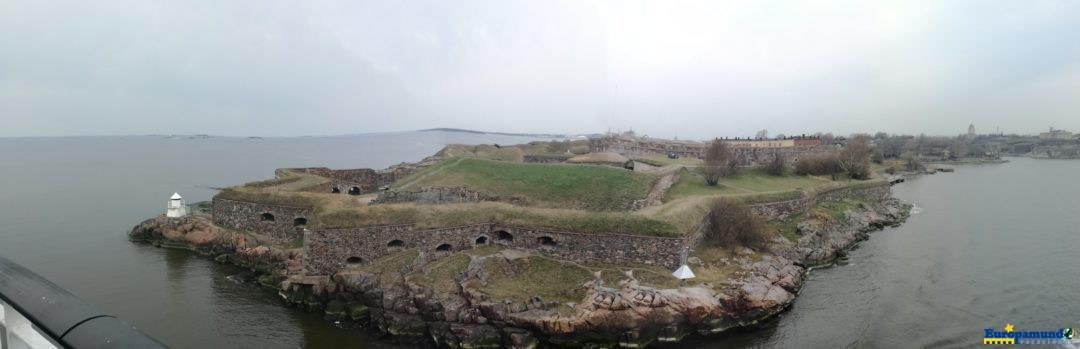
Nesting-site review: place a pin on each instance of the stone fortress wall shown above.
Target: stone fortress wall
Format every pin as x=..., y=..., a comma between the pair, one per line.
x=872, y=192
x=280, y=223
x=332, y=250
x=750, y=152
x=782, y=209
x=365, y=180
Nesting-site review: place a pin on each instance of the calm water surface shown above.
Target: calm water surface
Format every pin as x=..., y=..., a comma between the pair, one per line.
x=991, y=244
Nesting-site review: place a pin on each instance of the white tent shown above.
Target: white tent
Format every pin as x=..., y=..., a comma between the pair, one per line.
x=683, y=273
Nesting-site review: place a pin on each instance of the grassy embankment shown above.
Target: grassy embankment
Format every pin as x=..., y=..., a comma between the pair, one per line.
x=595, y=188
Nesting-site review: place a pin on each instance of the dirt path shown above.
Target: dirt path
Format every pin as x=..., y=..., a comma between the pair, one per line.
x=659, y=189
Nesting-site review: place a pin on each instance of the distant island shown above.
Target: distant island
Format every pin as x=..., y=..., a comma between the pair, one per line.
x=601, y=240
x=537, y=135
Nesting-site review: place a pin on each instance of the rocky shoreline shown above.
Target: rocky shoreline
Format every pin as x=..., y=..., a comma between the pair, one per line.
x=628, y=314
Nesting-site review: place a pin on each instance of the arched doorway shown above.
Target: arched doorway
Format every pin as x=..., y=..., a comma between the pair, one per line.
x=335, y=190
x=546, y=241
x=299, y=221
x=354, y=260
x=503, y=236
x=354, y=191
x=444, y=248
x=395, y=245
x=483, y=240
x=266, y=217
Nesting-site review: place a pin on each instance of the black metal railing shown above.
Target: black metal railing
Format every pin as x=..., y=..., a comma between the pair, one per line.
x=58, y=316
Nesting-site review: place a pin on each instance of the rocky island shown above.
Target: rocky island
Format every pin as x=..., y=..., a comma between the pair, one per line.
x=564, y=243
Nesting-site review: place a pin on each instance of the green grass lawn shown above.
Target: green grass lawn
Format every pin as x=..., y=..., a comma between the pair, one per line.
x=662, y=160
x=749, y=182
x=590, y=187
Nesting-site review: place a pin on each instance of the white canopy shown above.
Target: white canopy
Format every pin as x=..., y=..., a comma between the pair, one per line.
x=683, y=273
x=175, y=196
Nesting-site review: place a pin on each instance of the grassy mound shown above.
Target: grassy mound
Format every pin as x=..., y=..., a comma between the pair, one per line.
x=598, y=188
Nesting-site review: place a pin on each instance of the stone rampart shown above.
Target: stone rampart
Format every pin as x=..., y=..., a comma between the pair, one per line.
x=748, y=152
x=362, y=180
x=331, y=250
x=281, y=224
x=783, y=209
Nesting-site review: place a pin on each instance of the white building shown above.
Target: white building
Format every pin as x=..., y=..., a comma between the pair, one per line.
x=1056, y=134
x=176, y=206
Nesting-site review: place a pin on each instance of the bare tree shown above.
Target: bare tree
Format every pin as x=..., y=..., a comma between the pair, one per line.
x=718, y=160
x=855, y=157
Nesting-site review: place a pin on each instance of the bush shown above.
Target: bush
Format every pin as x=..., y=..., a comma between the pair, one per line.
x=733, y=223
x=818, y=164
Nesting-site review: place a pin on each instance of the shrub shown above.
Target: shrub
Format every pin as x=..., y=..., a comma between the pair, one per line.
x=818, y=164
x=733, y=223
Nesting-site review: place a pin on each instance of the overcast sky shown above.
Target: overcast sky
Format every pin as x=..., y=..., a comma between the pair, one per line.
x=686, y=69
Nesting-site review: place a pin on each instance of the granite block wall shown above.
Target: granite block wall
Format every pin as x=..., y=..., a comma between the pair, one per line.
x=282, y=224
x=330, y=250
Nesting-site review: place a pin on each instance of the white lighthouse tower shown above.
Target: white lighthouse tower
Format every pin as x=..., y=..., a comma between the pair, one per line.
x=176, y=206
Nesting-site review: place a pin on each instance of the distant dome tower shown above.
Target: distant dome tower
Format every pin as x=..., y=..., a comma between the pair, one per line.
x=176, y=206
x=971, y=130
